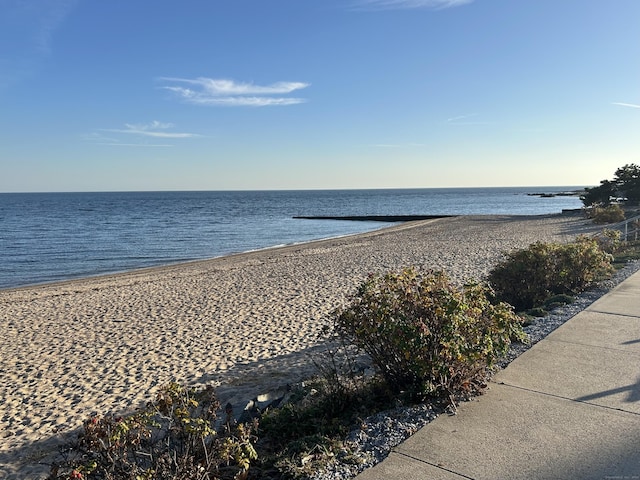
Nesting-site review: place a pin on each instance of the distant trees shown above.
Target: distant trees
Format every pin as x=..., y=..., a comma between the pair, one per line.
x=599, y=196
x=627, y=180
x=625, y=184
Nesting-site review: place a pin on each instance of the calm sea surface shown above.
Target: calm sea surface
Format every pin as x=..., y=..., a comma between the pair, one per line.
x=46, y=237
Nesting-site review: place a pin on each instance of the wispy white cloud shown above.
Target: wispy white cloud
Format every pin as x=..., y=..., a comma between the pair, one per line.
x=224, y=92
x=136, y=144
x=630, y=105
x=408, y=4
x=97, y=138
x=464, y=120
x=154, y=129
x=397, y=145
x=461, y=117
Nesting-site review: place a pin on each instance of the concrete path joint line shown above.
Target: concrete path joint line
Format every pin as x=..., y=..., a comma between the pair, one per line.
x=613, y=313
x=595, y=346
x=574, y=400
x=434, y=465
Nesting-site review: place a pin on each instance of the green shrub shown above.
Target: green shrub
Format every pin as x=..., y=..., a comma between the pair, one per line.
x=627, y=252
x=426, y=335
x=527, y=277
x=537, y=312
x=610, y=240
x=556, y=301
x=609, y=214
x=174, y=437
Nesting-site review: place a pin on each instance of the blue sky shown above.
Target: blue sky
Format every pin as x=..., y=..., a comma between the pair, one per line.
x=297, y=94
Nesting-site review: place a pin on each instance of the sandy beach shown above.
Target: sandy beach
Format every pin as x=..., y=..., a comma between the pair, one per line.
x=244, y=322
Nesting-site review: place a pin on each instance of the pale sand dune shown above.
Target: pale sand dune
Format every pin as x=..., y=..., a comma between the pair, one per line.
x=246, y=321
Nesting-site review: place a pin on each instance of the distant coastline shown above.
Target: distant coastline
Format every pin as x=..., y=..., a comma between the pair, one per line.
x=573, y=193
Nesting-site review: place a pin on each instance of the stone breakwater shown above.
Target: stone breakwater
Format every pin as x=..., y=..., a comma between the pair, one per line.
x=245, y=322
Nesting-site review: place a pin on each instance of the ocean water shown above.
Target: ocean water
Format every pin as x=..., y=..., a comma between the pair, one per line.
x=46, y=237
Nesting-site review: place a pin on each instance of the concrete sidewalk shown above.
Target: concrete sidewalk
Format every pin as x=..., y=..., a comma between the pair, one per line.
x=568, y=408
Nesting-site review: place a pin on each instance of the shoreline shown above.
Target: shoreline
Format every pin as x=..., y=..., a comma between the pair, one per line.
x=399, y=222
x=178, y=263
x=244, y=322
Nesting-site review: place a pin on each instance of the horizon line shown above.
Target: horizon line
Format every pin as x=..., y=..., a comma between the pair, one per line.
x=318, y=189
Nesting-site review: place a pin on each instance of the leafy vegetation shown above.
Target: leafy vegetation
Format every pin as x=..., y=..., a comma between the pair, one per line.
x=307, y=432
x=625, y=184
x=556, y=301
x=601, y=195
x=529, y=276
x=609, y=214
x=625, y=253
x=425, y=335
x=610, y=241
x=177, y=436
